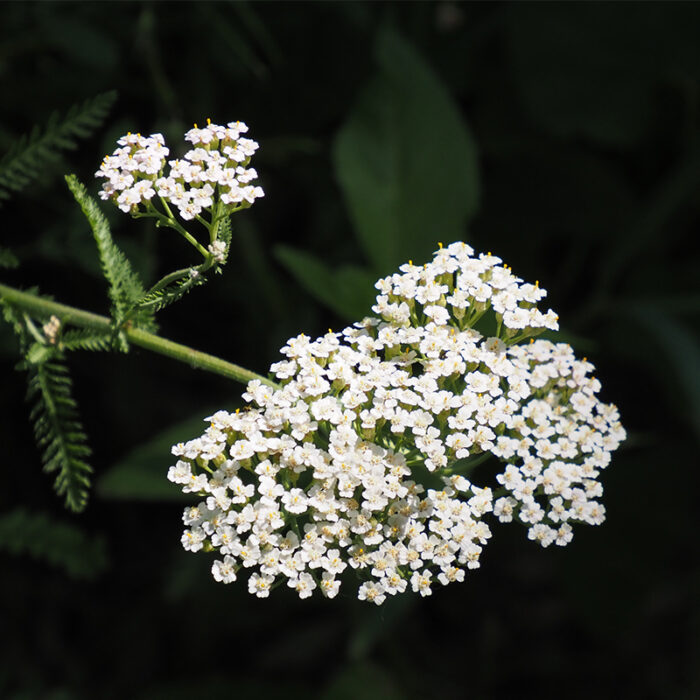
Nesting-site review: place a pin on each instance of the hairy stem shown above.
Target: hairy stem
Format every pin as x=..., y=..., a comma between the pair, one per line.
x=43, y=308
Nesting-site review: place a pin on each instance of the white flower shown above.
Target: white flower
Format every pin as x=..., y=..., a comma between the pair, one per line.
x=329, y=585
x=373, y=592
x=192, y=540
x=224, y=571
x=260, y=585
x=420, y=582
x=304, y=585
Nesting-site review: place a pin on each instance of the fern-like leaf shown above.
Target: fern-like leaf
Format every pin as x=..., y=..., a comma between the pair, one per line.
x=125, y=287
x=85, y=339
x=155, y=301
x=60, y=544
x=33, y=152
x=14, y=318
x=8, y=258
x=58, y=431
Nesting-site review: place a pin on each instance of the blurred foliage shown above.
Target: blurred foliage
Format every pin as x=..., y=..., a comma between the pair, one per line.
x=562, y=136
x=402, y=126
x=32, y=153
x=61, y=544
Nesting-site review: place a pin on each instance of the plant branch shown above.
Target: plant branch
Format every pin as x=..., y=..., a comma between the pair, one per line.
x=44, y=308
x=172, y=277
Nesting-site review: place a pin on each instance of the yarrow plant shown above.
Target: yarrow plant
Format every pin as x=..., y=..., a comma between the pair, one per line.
x=365, y=456
x=383, y=453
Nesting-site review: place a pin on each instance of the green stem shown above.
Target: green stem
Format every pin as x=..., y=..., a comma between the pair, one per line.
x=215, y=221
x=467, y=465
x=43, y=308
x=295, y=527
x=33, y=330
x=172, y=277
x=164, y=202
x=171, y=222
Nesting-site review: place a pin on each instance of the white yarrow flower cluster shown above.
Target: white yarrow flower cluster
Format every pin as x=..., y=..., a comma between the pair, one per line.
x=368, y=456
x=215, y=169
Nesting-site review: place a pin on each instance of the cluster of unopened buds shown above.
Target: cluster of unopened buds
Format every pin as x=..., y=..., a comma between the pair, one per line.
x=387, y=448
x=214, y=171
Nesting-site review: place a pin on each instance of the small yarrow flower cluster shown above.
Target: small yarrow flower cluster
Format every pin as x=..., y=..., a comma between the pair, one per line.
x=214, y=170
x=391, y=447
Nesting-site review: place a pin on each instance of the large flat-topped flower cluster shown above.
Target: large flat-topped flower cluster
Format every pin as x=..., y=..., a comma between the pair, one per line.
x=387, y=447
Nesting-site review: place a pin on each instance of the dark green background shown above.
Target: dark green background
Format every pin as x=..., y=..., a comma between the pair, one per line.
x=585, y=123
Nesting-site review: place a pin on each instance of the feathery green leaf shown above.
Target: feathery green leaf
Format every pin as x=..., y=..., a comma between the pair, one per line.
x=60, y=544
x=58, y=430
x=39, y=353
x=125, y=287
x=84, y=339
x=14, y=318
x=155, y=301
x=33, y=152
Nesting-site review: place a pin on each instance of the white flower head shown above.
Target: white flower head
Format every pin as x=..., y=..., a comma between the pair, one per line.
x=215, y=169
x=326, y=468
